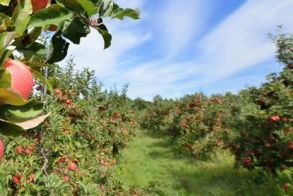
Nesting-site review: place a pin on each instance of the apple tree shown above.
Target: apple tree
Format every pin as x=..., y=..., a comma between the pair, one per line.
x=24, y=53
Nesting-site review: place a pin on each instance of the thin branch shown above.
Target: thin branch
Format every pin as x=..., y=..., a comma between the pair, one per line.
x=44, y=157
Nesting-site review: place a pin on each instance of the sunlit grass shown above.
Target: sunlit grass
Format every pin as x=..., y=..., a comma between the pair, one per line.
x=150, y=163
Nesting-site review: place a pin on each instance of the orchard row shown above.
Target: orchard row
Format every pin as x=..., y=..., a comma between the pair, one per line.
x=256, y=124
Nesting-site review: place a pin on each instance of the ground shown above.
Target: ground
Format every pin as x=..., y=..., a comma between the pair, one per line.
x=152, y=164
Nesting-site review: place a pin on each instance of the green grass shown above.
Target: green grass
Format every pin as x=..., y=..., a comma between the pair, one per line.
x=150, y=163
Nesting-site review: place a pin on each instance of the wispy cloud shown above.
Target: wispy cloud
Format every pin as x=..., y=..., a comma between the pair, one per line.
x=179, y=22
x=90, y=52
x=237, y=43
x=148, y=54
x=242, y=39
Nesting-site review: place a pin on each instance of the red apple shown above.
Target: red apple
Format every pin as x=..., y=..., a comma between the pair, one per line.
x=27, y=151
x=39, y=4
x=16, y=179
x=58, y=91
x=21, y=77
x=285, y=119
x=19, y=149
x=290, y=145
x=69, y=101
x=247, y=162
x=1, y=149
x=62, y=160
x=275, y=118
x=285, y=186
x=66, y=178
x=72, y=166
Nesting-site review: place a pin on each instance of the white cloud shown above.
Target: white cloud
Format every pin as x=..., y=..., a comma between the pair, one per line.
x=179, y=22
x=242, y=39
x=90, y=53
x=236, y=43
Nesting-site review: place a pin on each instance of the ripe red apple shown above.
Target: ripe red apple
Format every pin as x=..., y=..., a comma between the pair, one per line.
x=19, y=149
x=285, y=119
x=27, y=151
x=72, y=166
x=21, y=77
x=1, y=149
x=247, y=162
x=69, y=101
x=290, y=145
x=285, y=186
x=16, y=179
x=274, y=118
x=58, y=91
x=39, y=4
x=62, y=160
x=66, y=178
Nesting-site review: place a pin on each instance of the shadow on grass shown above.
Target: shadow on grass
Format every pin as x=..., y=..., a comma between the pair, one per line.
x=214, y=177
x=223, y=180
x=216, y=182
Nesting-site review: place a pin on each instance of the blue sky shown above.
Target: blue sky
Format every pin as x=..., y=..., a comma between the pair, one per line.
x=184, y=46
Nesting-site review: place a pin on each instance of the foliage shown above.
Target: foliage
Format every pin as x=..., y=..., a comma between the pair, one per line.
x=22, y=26
x=256, y=123
x=73, y=150
x=196, y=121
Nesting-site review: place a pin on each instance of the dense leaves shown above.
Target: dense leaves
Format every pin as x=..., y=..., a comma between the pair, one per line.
x=22, y=37
x=74, y=149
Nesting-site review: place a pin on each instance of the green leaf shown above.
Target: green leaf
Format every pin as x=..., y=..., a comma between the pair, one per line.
x=36, y=52
x=105, y=34
x=5, y=2
x=5, y=40
x=88, y=6
x=108, y=11
x=6, y=23
x=121, y=13
x=7, y=96
x=55, y=14
x=21, y=17
x=72, y=5
x=22, y=113
x=103, y=4
x=5, y=79
x=58, y=49
x=8, y=128
x=75, y=30
x=28, y=38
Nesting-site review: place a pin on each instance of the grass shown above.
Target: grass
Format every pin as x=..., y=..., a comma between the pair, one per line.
x=150, y=163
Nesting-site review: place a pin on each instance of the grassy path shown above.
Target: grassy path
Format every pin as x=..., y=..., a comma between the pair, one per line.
x=150, y=163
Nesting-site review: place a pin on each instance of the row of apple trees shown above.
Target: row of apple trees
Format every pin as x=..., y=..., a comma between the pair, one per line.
x=256, y=124
x=73, y=150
